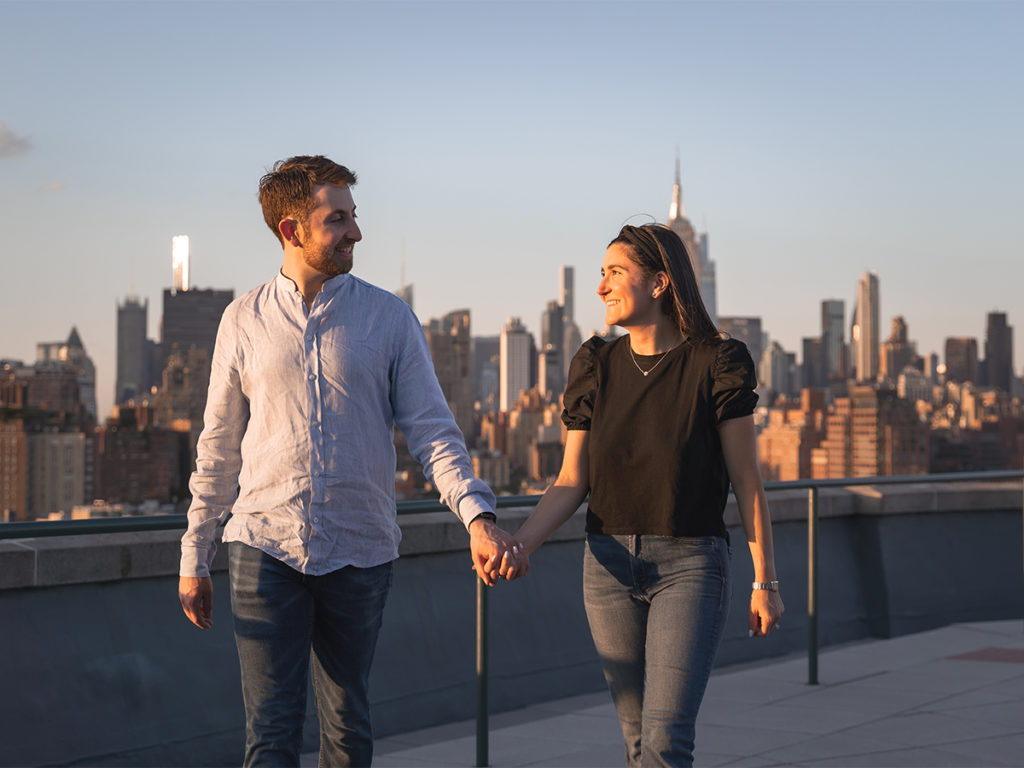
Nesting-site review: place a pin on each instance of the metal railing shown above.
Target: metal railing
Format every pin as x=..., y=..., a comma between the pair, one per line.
x=34, y=529
x=813, y=486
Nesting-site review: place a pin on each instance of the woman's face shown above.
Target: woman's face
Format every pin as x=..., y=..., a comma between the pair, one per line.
x=626, y=293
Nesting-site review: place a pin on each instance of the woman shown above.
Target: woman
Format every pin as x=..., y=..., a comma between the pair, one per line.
x=659, y=423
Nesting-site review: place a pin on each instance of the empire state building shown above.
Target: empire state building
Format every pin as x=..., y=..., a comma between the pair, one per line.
x=696, y=247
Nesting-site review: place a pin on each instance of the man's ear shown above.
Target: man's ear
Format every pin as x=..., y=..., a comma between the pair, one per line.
x=289, y=229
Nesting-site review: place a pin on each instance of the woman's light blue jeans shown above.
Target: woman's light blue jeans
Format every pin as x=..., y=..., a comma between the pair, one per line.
x=280, y=616
x=656, y=607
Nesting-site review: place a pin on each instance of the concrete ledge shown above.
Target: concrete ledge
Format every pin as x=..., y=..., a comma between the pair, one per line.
x=83, y=559
x=86, y=559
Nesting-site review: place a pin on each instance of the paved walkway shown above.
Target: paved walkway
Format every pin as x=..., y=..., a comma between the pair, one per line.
x=948, y=697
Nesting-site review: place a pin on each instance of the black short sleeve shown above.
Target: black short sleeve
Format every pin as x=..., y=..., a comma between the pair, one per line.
x=732, y=391
x=582, y=387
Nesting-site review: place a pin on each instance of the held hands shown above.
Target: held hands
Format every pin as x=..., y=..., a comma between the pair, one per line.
x=766, y=609
x=495, y=554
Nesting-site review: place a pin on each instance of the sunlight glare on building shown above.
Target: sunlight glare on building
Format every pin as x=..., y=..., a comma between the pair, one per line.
x=180, y=262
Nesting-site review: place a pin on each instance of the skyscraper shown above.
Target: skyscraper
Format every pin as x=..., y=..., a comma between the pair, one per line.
x=961, y=355
x=134, y=351
x=703, y=267
x=886, y=436
x=866, y=331
x=550, y=381
x=813, y=367
x=778, y=370
x=571, y=337
x=567, y=293
x=486, y=370
x=191, y=318
x=13, y=471
x=517, y=363
x=897, y=351
x=405, y=292
x=832, y=340
x=745, y=329
x=552, y=342
x=451, y=349
x=72, y=354
x=999, y=352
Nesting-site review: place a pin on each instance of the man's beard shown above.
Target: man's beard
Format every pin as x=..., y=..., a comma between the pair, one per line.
x=327, y=260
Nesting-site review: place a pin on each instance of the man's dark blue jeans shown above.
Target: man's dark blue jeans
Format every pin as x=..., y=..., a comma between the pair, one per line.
x=282, y=615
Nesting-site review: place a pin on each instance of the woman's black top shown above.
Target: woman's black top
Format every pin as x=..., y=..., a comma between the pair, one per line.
x=656, y=463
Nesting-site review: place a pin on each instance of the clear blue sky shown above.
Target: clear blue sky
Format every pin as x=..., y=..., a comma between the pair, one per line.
x=496, y=142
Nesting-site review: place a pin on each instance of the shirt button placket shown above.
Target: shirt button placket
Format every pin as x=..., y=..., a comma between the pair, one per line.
x=313, y=366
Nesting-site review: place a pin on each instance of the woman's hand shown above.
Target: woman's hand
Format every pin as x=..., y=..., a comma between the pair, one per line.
x=766, y=609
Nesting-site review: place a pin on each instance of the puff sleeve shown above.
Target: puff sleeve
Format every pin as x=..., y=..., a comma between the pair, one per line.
x=581, y=390
x=734, y=381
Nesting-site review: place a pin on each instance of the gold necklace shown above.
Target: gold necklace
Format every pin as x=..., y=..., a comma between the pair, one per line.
x=648, y=371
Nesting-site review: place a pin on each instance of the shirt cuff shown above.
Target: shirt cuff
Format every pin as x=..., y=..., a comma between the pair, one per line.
x=470, y=506
x=194, y=562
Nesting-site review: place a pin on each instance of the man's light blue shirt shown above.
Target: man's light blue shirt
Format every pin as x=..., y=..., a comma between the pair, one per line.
x=298, y=441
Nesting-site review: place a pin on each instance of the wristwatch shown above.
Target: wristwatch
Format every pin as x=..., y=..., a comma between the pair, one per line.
x=771, y=586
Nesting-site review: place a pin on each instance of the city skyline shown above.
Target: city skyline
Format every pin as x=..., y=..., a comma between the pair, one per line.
x=816, y=142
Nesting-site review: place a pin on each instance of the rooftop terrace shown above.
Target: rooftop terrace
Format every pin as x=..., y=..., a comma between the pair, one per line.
x=100, y=667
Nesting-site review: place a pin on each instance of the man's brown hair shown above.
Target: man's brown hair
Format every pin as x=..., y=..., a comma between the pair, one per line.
x=288, y=189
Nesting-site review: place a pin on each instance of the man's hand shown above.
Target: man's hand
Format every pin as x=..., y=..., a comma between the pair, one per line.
x=196, y=596
x=495, y=553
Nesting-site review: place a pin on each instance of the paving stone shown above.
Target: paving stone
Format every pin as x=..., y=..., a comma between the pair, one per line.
x=810, y=751
x=902, y=758
x=858, y=697
x=809, y=718
x=1004, y=750
x=743, y=738
x=930, y=730
x=980, y=698
x=1010, y=714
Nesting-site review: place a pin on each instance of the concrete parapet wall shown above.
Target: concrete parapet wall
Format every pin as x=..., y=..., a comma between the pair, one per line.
x=100, y=667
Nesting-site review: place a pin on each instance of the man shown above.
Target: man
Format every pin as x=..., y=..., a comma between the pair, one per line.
x=311, y=372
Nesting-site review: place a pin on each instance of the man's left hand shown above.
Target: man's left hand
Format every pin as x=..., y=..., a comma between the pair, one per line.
x=495, y=553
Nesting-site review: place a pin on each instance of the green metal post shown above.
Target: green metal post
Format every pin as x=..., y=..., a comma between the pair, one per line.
x=481, y=675
x=812, y=585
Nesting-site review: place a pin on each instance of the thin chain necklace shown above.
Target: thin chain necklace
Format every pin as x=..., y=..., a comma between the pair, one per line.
x=648, y=371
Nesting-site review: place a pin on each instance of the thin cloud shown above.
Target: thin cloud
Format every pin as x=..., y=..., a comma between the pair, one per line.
x=53, y=186
x=11, y=144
